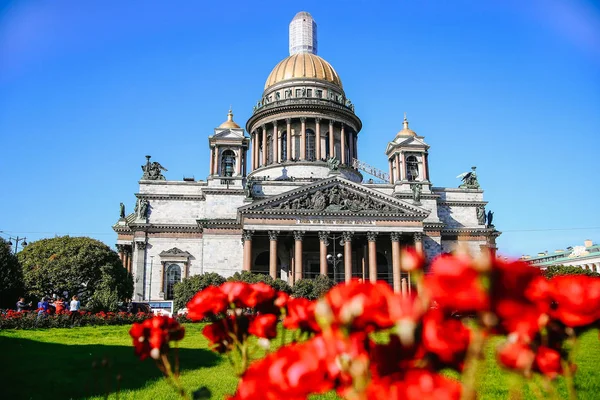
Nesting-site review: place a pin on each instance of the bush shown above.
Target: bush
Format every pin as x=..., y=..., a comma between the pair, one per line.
x=188, y=287
x=251, y=277
x=554, y=270
x=30, y=319
x=304, y=288
x=322, y=284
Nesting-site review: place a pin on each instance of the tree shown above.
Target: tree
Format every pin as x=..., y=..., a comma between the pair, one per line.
x=554, y=270
x=11, y=277
x=77, y=265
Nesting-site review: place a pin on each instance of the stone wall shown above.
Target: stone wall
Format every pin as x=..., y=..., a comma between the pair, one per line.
x=223, y=254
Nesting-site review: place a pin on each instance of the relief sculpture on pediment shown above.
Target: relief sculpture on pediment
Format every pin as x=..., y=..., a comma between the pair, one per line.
x=335, y=199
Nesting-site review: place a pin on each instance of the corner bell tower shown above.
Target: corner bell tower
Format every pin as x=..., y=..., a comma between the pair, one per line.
x=407, y=158
x=228, y=148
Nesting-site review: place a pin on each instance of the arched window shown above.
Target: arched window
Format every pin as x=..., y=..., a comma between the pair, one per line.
x=326, y=147
x=227, y=163
x=270, y=149
x=173, y=277
x=284, y=146
x=310, y=144
x=412, y=168
x=297, y=147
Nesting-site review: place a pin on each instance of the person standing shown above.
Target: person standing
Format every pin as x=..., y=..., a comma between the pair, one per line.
x=74, y=309
x=21, y=305
x=59, y=305
x=43, y=306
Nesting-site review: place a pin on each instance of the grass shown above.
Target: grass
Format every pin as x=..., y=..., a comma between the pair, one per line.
x=85, y=362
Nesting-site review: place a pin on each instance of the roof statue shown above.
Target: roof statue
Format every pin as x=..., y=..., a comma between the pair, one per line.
x=152, y=171
x=469, y=179
x=416, y=190
x=122, y=211
x=333, y=164
x=490, y=219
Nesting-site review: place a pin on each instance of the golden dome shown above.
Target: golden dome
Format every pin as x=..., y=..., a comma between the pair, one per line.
x=303, y=65
x=229, y=123
x=405, y=130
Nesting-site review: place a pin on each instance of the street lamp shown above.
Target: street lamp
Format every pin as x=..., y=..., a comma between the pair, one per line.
x=335, y=258
x=17, y=240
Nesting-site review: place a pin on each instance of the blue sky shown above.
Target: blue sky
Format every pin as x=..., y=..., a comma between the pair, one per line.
x=87, y=89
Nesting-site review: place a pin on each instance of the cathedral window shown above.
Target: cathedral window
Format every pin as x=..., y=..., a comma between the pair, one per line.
x=298, y=92
x=310, y=145
x=308, y=92
x=173, y=277
x=227, y=163
x=412, y=168
x=319, y=94
x=297, y=147
x=283, y=146
x=270, y=149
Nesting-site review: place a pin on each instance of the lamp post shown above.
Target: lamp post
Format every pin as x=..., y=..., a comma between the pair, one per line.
x=17, y=240
x=335, y=258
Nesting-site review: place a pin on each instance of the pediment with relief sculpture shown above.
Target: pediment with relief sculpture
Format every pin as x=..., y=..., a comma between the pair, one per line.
x=334, y=196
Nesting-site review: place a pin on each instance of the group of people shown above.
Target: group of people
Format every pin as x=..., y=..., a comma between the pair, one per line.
x=45, y=305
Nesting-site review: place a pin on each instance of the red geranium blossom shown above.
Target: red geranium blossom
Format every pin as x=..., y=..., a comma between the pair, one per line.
x=572, y=299
x=152, y=337
x=361, y=305
x=445, y=337
x=301, y=315
x=455, y=285
x=263, y=326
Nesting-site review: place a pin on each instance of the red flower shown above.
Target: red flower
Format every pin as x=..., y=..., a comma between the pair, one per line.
x=416, y=384
x=362, y=305
x=547, y=361
x=152, y=337
x=301, y=315
x=516, y=355
x=515, y=311
x=572, y=299
x=221, y=333
x=264, y=326
x=411, y=259
x=455, y=285
x=446, y=338
x=298, y=370
x=207, y=302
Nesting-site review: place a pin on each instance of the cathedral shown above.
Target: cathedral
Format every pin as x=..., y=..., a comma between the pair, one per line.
x=286, y=196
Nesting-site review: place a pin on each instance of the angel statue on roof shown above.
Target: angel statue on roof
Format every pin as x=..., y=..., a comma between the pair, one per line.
x=469, y=179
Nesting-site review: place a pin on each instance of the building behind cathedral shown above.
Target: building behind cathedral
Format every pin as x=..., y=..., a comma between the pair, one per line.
x=286, y=196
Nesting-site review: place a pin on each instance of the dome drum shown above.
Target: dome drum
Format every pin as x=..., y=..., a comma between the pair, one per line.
x=303, y=171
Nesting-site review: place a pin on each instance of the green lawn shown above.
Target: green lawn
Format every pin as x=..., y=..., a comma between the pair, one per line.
x=68, y=363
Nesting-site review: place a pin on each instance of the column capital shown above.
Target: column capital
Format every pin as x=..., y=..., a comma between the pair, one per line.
x=395, y=236
x=273, y=235
x=288, y=120
x=140, y=245
x=299, y=235
x=247, y=235
x=347, y=236
x=418, y=236
x=372, y=236
x=275, y=123
x=121, y=248
x=318, y=119
x=302, y=119
x=324, y=237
